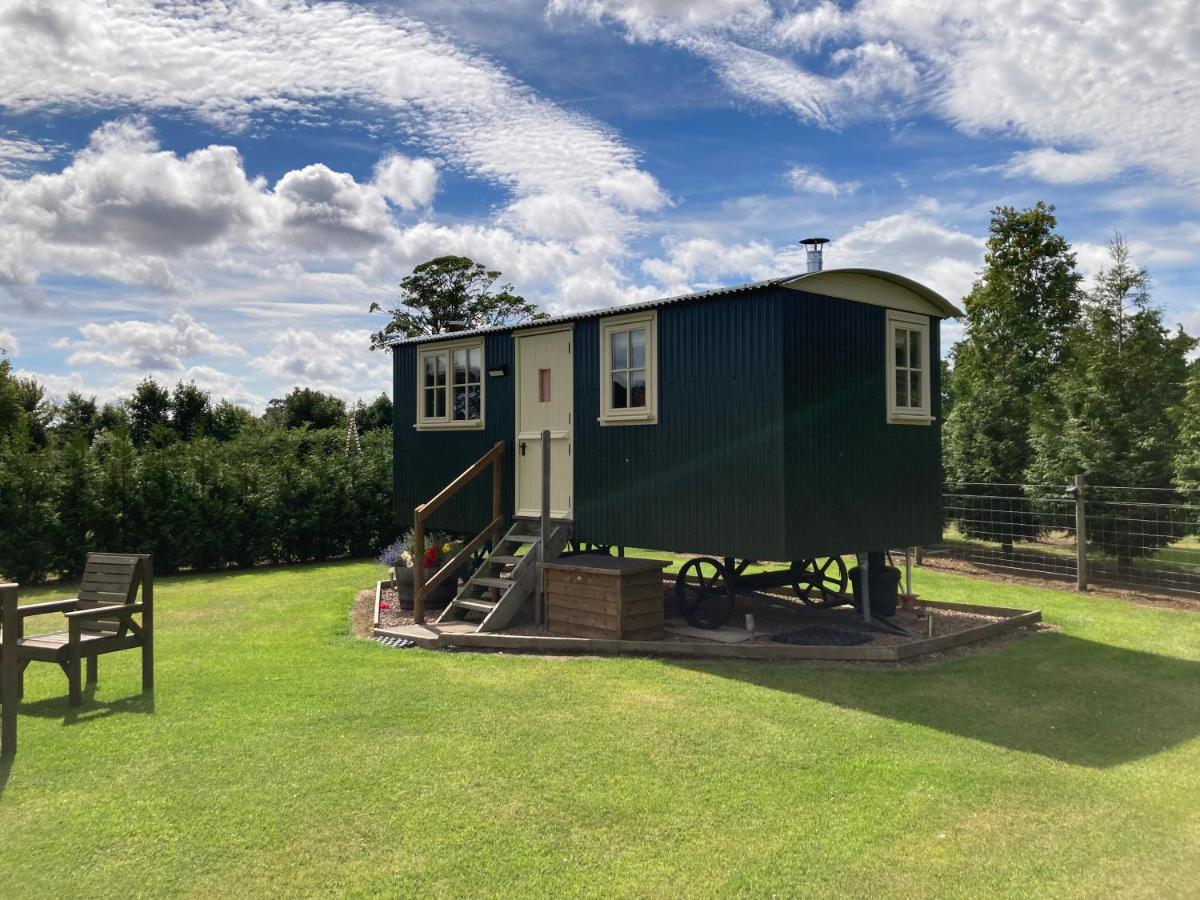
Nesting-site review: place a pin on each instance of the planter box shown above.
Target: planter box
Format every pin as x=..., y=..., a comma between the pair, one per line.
x=435, y=599
x=596, y=596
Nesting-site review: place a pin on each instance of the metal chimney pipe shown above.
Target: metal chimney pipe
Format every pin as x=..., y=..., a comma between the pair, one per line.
x=815, y=248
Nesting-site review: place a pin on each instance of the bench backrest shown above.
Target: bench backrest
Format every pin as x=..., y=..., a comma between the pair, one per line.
x=108, y=579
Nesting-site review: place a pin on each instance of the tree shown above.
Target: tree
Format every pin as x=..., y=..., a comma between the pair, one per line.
x=149, y=410
x=191, y=411
x=305, y=407
x=374, y=416
x=1109, y=411
x=77, y=415
x=1019, y=313
x=451, y=291
x=229, y=420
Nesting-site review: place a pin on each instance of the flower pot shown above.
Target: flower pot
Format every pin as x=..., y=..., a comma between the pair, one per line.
x=435, y=599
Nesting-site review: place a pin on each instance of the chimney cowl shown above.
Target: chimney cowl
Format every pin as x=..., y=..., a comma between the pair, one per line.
x=815, y=247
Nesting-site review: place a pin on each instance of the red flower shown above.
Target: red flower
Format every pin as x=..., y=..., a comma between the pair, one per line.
x=431, y=557
x=385, y=606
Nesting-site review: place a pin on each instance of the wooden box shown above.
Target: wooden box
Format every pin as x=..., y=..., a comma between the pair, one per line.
x=597, y=596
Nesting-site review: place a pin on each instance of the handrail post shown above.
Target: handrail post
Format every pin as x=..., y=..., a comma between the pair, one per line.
x=497, y=497
x=544, y=530
x=419, y=565
x=10, y=670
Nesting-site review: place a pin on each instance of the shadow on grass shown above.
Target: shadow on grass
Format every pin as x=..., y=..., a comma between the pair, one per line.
x=1061, y=697
x=57, y=707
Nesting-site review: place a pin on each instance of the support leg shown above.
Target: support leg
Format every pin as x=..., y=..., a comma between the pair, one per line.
x=74, y=688
x=92, y=673
x=9, y=670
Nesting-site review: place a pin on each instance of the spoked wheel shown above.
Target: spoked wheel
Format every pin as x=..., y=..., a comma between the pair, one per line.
x=703, y=592
x=821, y=584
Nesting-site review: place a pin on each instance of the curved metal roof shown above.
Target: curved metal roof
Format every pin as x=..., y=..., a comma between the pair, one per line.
x=944, y=306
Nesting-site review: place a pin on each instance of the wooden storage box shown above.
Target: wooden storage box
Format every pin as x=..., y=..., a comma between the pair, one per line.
x=605, y=597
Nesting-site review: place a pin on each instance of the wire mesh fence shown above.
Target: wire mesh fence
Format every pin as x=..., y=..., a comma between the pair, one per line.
x=1138, y=538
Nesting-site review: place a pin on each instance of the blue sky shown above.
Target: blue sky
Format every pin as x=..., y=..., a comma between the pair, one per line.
x=218, y=192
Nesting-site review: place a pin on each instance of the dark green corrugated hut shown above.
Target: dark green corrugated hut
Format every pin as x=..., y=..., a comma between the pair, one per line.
x=787, y=419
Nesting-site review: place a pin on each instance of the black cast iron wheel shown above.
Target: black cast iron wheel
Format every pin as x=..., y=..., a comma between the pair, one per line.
x=821, y=584
x=703, y=592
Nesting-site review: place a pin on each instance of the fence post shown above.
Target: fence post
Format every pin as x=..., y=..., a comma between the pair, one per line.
x=10, y=670
x=1081, y=561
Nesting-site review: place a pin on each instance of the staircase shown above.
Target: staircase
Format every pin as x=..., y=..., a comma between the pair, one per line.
x=506, y=578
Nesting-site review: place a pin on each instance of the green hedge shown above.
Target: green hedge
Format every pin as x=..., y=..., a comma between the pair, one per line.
x=268, y=495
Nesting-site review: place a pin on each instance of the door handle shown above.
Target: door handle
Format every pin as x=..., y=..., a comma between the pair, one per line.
x=522, y=448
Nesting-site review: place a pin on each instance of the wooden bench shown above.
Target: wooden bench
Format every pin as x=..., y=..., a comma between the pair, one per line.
x=100, y=619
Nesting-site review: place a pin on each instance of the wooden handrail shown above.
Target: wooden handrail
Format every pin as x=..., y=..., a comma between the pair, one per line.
x=421, y=588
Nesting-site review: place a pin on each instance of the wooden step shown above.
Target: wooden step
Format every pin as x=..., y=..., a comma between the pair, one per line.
x=514, y=538
x=502, y=560
x=492, y=582
x=483, y=606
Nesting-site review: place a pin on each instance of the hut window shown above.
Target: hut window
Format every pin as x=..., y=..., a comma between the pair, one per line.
x=908, y=368
x=629, y=369
x=450, y=385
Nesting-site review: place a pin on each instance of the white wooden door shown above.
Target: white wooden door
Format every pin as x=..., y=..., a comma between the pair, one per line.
x=545, y=400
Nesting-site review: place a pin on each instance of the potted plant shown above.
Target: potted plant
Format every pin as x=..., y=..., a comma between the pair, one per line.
x=439, y=549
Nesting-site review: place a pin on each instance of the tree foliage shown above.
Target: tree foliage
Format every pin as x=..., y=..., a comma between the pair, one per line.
x=449, y=292
x=1018, y=315
x=1110, y=410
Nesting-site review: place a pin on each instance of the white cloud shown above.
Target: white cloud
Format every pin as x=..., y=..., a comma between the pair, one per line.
x=9, y=343
x=17, y=152
x=407, y=182
x=1055, y=167
x=232, y=61
x=341, y=363
x=148, y=345
x=1120, y=80
x=809, y=180
x=697, y=261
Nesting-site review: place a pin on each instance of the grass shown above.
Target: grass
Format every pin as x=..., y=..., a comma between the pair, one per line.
x=281, y=756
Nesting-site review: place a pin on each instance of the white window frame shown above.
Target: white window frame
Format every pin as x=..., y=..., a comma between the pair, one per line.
x=641, y=415
x=445, y=422
x=908, y=415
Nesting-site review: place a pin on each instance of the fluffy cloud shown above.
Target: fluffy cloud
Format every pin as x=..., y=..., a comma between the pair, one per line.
x=148, y=345
x=697, y=262
x=9, y=343
x=341, y=363
x=1065, y=73
x=232, y=61
x=409, y=183
x=1055, y=167
x=17, y=152
x=806, y=179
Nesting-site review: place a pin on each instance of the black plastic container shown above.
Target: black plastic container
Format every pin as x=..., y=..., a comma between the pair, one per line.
x=885, y=586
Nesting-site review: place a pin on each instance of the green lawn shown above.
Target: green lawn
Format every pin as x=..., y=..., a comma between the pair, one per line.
x=281, y=756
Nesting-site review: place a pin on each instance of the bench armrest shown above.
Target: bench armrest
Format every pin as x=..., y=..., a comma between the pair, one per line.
x=41, y=609
x=105, y=612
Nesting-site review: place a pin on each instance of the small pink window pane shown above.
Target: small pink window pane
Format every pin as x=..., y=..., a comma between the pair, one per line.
x=543, y=385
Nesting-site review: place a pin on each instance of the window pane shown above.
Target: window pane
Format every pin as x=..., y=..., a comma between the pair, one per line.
x=637, y=348
x=458, y=409
x=620, y=349
x=429, y=367
x=475, y=365
x=441, y=373
x=543, y=385
x=429, y=402
x=473, y=402
x=439, y=396
x=620, y=390
x=901, y=348
x=460, y=366
x=901, y=389
x=637, y=387
x=914, y=391
x=914, y=350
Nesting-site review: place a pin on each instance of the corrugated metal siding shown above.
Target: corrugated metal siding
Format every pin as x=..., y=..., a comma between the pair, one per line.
x=854, y=481
x=708, y=478
x=424, y=462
